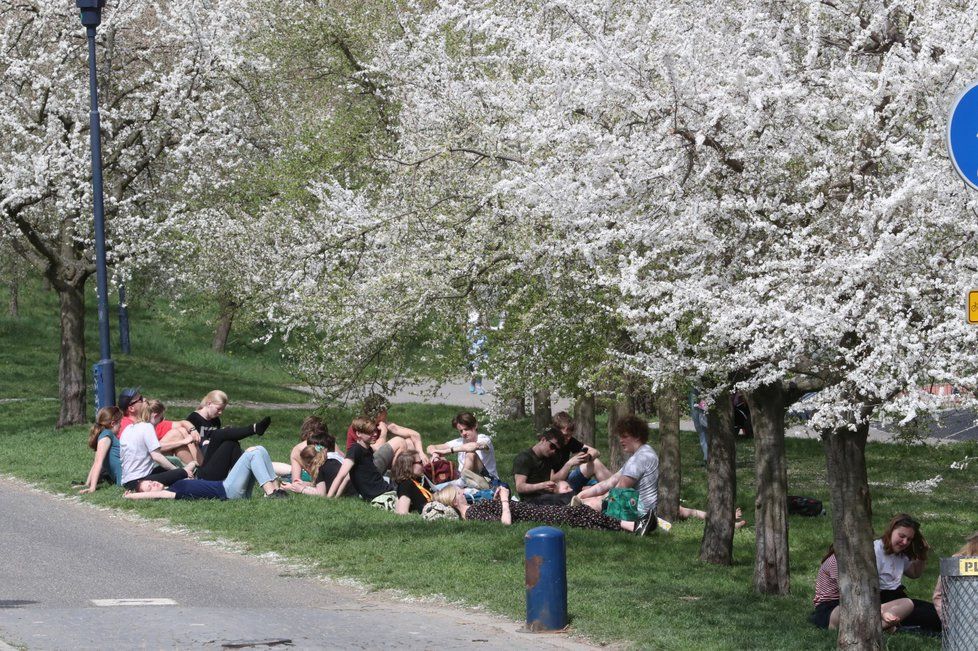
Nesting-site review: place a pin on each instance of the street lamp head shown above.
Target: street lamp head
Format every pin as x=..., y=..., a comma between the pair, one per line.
x=91, y=11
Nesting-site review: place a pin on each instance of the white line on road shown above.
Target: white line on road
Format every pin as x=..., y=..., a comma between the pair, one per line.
x=134, y=602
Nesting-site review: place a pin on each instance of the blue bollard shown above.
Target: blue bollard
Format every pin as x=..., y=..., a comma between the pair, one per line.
x=546, y=579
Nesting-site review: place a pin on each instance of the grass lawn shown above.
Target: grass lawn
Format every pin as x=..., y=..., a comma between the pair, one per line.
x=649, y=593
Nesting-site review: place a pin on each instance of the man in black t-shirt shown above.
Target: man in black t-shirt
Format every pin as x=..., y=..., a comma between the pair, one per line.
x=533, y=473
x=574, y=462
x=359, y=466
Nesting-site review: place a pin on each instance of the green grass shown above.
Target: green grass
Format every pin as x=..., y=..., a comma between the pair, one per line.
x=651, y=592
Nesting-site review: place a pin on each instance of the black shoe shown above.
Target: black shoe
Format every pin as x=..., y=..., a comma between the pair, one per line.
x=277, y=494
x=648, y=523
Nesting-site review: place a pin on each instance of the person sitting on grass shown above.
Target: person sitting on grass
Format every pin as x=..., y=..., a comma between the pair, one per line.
x=640, y=472
x=533, y=472
x=574, y=462
x=375, y=408
x=179, y=441
x=501, y=509
x=254, y=465
x=902, y=551
x=312, y=432
x=220, y=444
x=476, y=455
x=170, y=431
x=408, y=475
x=139, y=453
x=320, y=459
x=828, y=597
x=107, y=465
x=361, y=465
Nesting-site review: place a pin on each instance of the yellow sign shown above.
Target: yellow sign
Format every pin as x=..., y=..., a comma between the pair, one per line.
x=968, y=566
x=973, y=306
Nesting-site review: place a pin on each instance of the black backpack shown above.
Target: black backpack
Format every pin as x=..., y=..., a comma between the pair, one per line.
x=807, y=506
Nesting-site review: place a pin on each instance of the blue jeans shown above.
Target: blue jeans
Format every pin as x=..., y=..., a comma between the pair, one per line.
x=253, y=465
x=577, y=480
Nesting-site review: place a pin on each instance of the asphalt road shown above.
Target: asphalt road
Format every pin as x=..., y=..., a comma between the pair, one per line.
x=58, y=555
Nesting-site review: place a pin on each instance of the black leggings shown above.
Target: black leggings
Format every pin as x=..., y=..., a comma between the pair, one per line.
x=222, y=452
x=924, y=614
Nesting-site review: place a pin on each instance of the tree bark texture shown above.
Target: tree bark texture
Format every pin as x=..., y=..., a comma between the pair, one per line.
x=584, y=419
x=721, y=468
x=771, y=572
x=845, y=453
x=542, y=416
x=616, y=456
x=517, y=407
x=71, y=363
x=670, y=473
x=225, y=317
x=13, y=307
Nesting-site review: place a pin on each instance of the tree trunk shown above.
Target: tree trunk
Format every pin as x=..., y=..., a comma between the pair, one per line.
x=717, y=545
x=517, y=407
x=616, y=456
x=542, y=416
x=670, y=473
x=584, y=421
x=771, y=574
x=71, y=363
x=845, y=453
x=14, y=304
x=225, y=317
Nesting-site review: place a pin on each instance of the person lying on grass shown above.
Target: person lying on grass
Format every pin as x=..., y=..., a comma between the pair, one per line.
x=408, y=476
x=221, y=444
x=107, y=465
x=179, y=441
x=639, y=475
x=363, y=466
x=319, y=459
x=254, y=465
x=398, y=437
x=476, y=456
x=501, y=509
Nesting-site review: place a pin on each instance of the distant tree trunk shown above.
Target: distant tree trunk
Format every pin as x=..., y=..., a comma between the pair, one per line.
x=616, y=456
x=721, y=466
x=542, y=416
x=670, y=473
x=71, y=363
x=225, y=317
x=584, y=422
x=14, y=304
x=771, y=573
x=845, y=453
x=517, y=407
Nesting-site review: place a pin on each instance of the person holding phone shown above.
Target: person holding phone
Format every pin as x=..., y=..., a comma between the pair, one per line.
x=574, y=462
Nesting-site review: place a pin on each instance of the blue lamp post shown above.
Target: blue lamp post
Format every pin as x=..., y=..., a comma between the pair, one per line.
x=104, y=370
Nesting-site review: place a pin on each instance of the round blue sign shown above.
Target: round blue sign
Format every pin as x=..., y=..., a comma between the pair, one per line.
x=962, y=135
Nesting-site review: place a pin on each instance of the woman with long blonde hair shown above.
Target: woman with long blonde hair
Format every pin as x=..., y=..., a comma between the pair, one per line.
x=220, y=444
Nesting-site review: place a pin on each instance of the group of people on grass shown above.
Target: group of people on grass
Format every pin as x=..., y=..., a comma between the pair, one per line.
x=558, y=480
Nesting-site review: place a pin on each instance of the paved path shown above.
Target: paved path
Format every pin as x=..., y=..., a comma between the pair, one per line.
x=58, y=555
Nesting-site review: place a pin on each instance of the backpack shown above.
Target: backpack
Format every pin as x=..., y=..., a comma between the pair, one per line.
x=385, y=501
x=440, y=471
x=807, y=506
x=621, y=504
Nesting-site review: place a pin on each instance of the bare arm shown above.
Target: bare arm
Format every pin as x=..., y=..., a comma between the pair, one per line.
x=400, y=430
x=403, y=506
x=344, y=473
x=573, y=462
x=601, y=487
x=174, y=444
x=915, y=569
x=319, y=490
x=158, y=457
x=150, y=495
x=444, y=449
x=294, y=461
x=506, y=517
x=101, y=450
x=524, y=488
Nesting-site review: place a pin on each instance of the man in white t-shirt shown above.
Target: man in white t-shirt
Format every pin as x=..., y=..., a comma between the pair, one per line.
x=641, y=472
x=476, y=456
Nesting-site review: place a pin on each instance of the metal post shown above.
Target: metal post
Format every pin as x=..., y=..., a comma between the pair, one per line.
x=959, y=584
x=546, y=579
x=104, y=371
x=123, y=322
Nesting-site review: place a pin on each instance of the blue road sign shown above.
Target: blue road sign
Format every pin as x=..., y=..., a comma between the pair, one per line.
x=962, y=135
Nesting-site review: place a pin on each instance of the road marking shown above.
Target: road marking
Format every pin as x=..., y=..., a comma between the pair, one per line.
x=134, y=602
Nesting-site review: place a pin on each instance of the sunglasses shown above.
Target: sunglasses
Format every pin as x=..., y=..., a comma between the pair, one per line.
x=553, y=446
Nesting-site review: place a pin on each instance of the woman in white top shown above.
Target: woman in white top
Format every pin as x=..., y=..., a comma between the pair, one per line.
x=902, y=551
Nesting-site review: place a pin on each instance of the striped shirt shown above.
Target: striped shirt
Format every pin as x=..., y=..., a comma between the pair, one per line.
x=827, y=581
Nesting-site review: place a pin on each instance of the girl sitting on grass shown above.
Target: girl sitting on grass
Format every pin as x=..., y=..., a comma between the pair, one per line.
x=319, y=458
x=902, y=551
x=312, y=432
x=407, y=474
x=502, y=510
x=102, y=438
x=253, y=466
x=220, y=444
